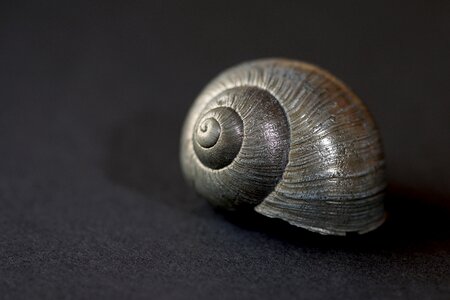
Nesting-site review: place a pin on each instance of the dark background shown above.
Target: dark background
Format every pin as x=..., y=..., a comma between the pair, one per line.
x=92, y=200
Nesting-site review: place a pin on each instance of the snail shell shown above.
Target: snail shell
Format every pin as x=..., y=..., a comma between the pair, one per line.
x=290, y=141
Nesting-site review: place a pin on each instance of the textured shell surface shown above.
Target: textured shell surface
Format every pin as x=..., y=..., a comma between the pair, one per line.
x=290, y=141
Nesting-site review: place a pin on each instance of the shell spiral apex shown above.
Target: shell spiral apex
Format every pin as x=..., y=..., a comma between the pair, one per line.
x=290, y=141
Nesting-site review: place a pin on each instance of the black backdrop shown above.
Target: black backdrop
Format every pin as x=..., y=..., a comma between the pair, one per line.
x=92, y=201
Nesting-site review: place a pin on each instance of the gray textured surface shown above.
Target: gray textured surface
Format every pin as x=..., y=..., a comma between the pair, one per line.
x=91, y=206
x=306, y=150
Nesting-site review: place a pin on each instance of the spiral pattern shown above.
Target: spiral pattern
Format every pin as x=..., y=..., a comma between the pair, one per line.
x=218, y=137
x=241, y=144
x=207, y=133
x=289, y=140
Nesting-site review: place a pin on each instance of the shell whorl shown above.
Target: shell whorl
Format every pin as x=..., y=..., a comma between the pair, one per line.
x=240, y=143
x=289, y=140
x=218, y=137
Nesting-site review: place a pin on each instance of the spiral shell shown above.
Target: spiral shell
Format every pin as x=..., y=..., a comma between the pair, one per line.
x=290, y=141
